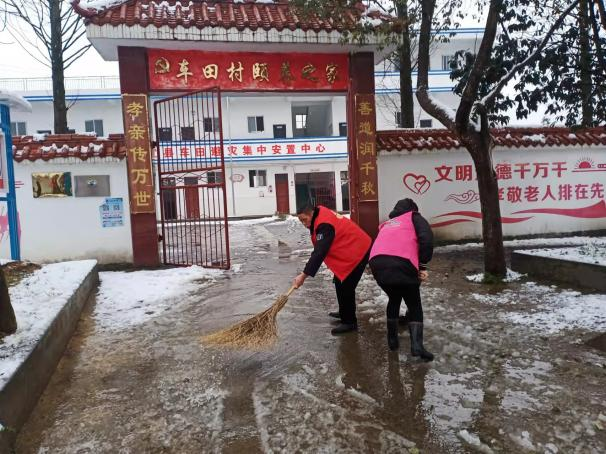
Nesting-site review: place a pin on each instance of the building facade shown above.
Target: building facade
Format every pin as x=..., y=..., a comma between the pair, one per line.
x=262, y=182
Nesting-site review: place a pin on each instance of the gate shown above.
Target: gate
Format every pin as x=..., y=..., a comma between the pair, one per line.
x=191, y=176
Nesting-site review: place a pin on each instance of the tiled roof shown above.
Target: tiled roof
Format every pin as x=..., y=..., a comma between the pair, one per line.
x=443, y=139
x=242, y=15
x=68, y=146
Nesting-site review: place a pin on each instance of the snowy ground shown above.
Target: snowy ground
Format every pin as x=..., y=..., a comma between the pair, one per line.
x=512, y=371
x=36, y=301
x=588, y=252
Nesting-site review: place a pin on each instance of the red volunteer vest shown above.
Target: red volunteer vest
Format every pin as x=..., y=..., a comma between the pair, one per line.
x=349, y=247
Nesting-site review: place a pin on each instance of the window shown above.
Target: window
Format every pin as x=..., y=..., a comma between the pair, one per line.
x=446, y=61
x=426, y=123
x=257, y=178
x=95, y=126
x=188, y=133
x=165, y=134
x=343, y=129
x=44, y=131
x=215, y=177
x=18, y=128
x=255, y=124
x=211, y=124
x=301, y=121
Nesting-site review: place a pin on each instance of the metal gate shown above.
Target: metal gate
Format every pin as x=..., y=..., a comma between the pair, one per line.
x=191, y=176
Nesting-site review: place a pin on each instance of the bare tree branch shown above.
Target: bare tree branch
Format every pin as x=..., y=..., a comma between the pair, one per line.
x=470, y=92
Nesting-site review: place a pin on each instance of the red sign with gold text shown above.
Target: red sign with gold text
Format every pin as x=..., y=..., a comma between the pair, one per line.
x=246, y=71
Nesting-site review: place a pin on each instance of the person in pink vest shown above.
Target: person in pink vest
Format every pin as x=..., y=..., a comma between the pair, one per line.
x=398, y=260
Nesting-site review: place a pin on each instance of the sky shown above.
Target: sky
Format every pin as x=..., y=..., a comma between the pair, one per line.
x=15, y=62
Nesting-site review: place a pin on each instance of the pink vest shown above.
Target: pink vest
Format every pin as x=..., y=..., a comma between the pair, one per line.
x=398, y=237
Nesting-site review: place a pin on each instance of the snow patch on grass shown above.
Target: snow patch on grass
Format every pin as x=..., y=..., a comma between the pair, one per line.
x=37, y=300
x=131, y=298
x=569, y=241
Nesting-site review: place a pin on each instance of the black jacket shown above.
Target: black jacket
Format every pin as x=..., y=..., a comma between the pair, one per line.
x=325, y=234
x=390, y=270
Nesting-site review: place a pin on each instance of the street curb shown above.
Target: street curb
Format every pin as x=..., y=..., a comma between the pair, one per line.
x=20, y=394
x=579, y=274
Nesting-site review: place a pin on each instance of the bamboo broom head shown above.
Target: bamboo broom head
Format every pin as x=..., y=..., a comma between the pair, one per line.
x=255, y=333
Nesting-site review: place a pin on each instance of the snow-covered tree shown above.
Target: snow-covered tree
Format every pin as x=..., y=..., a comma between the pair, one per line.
x=50, y=31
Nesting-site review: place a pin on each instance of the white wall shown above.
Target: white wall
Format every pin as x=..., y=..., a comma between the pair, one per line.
x=440, y=200
x=69, y=228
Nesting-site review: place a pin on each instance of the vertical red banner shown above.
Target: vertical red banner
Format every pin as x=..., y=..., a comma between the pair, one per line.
x=138, y=146
x=365, y=130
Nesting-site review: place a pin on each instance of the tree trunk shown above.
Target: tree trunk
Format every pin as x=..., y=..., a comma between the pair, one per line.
x=407, y=114
x=492, y=231
x=56, y=51
x=8, y=322
x=585, y=65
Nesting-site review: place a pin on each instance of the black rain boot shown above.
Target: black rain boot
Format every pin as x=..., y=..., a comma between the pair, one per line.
x=392, y=334
x=344, y=328
x=403, y=319
x=416, y=341
x=334, y=315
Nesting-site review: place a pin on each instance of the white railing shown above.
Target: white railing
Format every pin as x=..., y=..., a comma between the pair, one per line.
x=71, y=83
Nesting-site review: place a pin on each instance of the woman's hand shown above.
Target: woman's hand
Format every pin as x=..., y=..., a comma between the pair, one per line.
x=299, y=280
x=423, y=275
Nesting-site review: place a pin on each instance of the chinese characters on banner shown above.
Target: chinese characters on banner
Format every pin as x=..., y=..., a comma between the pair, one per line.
x=258, y=150
x=533, y=182
x=365, y=130
x=238, y=71
x=138, y=144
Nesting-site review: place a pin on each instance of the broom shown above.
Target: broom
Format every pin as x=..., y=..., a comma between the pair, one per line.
x=255, y=333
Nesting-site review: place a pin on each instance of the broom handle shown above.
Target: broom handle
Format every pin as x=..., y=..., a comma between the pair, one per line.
x=292, y=289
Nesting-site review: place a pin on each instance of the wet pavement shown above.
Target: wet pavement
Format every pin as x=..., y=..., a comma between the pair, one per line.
x=495, y=386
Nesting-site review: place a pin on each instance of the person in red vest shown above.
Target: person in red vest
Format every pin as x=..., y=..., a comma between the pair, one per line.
x=344, y=247
x=398, y=260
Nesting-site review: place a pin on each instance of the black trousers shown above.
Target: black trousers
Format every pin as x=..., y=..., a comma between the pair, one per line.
x=346, y=292
x=412, y=297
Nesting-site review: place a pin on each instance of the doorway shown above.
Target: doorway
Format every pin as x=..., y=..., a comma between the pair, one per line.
x=316, y=188
x=282, y=195
x=192, y=197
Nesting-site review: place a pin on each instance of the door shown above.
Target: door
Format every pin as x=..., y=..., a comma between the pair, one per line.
x=192, y=197
x=282, y=196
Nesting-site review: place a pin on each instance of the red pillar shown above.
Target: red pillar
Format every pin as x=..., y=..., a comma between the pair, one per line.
x=144, y=230
x=364, y=212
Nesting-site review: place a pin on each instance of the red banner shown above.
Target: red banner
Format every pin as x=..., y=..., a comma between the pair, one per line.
x=246, y=71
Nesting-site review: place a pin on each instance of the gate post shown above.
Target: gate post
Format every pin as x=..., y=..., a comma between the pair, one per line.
x=361, y=140
x=144, y=228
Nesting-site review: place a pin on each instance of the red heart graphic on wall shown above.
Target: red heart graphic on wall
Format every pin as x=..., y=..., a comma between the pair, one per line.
x=419, y=184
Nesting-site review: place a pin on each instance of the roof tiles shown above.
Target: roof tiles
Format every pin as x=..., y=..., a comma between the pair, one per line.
x=68, y=146
x=200, y=14
x=443, y=139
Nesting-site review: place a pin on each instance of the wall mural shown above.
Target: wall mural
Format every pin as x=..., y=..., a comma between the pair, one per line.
x=52, y=184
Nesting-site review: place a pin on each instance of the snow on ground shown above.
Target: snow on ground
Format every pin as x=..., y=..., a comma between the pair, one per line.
x=255, y=221
x=553, y=309
x=130, y=298
x=594, y=252
x=37, y=300
x=512, y=276
x=568, y=241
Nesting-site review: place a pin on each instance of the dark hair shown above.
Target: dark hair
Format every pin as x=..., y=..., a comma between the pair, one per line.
x=307, y=209
x=403, y=206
